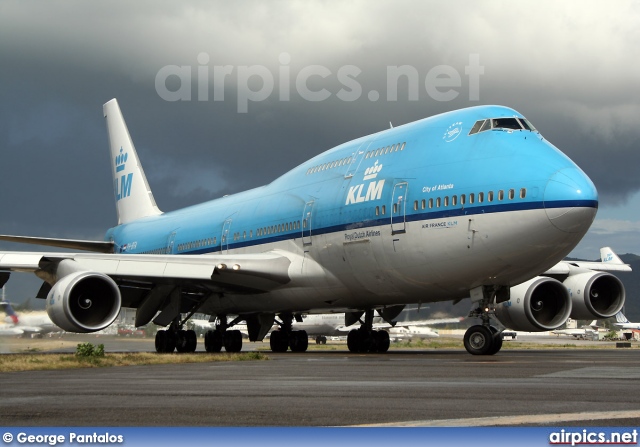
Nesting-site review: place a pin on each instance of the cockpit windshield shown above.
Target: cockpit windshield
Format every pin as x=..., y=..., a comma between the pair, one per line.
x=508, y=124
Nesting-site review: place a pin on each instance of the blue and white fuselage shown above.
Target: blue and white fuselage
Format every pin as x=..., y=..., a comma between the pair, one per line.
x=420, y=212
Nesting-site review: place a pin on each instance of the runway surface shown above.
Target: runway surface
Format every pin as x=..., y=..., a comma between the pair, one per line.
x=337, y=388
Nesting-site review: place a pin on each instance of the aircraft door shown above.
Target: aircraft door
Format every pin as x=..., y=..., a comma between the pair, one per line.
x=307, y=220
x=170, y=242
x=356, y=159
x=224, y=239
x=398, y=207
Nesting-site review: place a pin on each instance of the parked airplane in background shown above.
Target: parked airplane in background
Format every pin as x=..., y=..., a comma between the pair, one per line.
x=322, y=325
x=623, y=323
x=473, y=202
x=412, y=332
x=584, y=332
x=31, y=324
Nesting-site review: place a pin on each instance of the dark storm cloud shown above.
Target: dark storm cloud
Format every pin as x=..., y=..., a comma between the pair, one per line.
x=571, y=70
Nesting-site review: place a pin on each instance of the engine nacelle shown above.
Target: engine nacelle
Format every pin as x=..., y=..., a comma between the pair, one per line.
x=540, y=304
x=84, y=302
x=595, y=295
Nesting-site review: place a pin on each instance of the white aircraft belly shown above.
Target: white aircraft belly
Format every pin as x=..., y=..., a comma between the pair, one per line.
x=430, y=262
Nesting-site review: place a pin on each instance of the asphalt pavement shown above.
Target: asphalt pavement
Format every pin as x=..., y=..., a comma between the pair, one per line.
x=581, y=387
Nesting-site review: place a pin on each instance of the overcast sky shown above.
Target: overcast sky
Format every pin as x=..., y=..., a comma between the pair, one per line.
x=570, y=67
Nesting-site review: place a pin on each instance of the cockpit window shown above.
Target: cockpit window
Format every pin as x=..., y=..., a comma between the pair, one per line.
x=476, y=127
x=486, y=125
x=502, y=123
x=526, y=124
x=506, y=123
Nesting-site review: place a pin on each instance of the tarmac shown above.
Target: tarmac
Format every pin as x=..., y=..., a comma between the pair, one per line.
x=404, y=387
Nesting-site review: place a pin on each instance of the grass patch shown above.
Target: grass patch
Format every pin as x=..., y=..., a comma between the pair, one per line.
x=31, y=362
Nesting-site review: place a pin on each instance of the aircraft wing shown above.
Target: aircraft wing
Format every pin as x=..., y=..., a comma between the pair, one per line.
x=609, y=262
x=6, y=331
x=237, y=273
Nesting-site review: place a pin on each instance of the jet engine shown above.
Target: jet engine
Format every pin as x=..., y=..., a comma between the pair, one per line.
x=540, y=304
x=84, y=301
x=595, y=295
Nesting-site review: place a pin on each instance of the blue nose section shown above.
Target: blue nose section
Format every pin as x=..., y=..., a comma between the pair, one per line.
x=571, y=200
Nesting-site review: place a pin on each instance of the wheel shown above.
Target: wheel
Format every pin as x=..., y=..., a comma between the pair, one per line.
x=192, y=341
x=353, y=340
x=232, y=341
x=160, y=340
x=324, y=340
x=279, y=341
x=181, y=341
x=170, y=342
x=299, y=341
x=165, y=341
x=213, y=341
x=478, y=340
x=367, y=341
x=382, y=341
x=497, y=341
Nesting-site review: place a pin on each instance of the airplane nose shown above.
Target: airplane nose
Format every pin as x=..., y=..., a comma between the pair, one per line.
x=571, y=200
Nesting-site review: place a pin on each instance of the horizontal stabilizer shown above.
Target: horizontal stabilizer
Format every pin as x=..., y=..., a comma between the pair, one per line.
x=73, y=244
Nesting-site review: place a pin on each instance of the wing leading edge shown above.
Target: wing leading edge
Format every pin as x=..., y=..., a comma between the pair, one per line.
x=237, y=273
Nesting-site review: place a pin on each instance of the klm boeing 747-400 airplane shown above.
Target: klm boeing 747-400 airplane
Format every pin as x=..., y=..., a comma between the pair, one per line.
x=471, y=203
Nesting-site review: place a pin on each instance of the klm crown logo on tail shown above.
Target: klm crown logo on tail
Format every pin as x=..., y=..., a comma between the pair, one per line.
x=374, y=188
x=123, y=184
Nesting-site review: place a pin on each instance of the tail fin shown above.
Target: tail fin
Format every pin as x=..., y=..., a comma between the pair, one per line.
x=609, y=257
x=9, y=311
x=620, y=318
x=134, y=199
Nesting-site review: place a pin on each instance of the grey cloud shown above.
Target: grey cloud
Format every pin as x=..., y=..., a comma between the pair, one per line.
x=571, y=70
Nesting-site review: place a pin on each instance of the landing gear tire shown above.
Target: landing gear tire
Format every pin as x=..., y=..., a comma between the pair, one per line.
x=382, y=341
x=181, y=341
x=213, y=341
x=165, y=342
x=298, y=341
x=497, y=341
x=361, y=340
x=353, y=340
x=192, y=341
x=479, y=340
x=232, y=341
x=321, y=340
x=279, y=342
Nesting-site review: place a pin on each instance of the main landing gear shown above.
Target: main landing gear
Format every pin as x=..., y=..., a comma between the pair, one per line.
x=231, y=339
x=176, y=338
x=285, y=337
x=365, y=339
x=484, y=339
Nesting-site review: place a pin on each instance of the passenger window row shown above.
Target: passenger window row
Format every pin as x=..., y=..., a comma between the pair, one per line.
x=330, y=165
x=202, y=243
x=280, y=228
x=385, y=150
x=347, y=160
x=470, y=199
